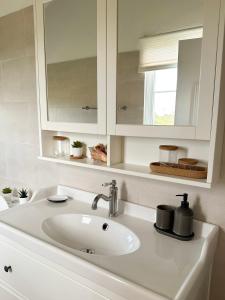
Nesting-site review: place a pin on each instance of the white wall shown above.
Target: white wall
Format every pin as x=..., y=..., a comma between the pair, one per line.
x=150, y=17
x=71, y=30
x=78, y=31
x=9, y=6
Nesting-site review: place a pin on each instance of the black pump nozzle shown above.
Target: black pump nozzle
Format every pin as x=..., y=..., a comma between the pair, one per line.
x=184, y=203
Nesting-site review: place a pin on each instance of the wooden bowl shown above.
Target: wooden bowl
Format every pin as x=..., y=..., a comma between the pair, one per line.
x=188, y=161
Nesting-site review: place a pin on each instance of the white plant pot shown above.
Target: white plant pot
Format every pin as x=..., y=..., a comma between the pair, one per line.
x=8, y=197
x=77, y=152
x=23, y=200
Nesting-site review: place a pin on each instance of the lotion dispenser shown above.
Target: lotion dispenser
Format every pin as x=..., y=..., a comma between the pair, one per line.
x=183, y=218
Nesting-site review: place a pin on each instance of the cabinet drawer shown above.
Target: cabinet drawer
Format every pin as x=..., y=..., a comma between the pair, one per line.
x=7, y=293
x=37, y=281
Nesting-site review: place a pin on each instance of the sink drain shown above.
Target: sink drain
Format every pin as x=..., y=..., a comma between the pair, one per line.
x=105, y=227
x=88, y=251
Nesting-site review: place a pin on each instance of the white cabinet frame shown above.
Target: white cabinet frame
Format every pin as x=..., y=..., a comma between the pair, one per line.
x=202, y=130
x=100, y=126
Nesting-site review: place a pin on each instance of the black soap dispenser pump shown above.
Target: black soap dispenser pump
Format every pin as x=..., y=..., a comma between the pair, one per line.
x=183, y=218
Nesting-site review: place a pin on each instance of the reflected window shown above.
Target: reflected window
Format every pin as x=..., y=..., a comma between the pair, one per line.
x=160, y=97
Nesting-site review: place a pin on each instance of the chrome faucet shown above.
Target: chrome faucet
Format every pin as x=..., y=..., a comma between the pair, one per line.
x=112, y=199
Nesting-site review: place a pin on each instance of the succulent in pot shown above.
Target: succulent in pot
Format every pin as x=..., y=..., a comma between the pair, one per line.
x=77, y=149
x=7, y=193
x=6, y=190
x=23, y=196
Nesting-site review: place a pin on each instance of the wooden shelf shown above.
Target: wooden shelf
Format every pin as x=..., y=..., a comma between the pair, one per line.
x=128, y=169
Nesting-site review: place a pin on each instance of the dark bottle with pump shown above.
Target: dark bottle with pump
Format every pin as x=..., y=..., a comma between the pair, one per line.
x=183, y=218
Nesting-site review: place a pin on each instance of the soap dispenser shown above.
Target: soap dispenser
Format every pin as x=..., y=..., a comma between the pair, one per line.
x=183, y=218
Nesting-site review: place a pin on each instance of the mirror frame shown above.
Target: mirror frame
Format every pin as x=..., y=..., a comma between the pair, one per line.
x=89, y=128
x=202, y=130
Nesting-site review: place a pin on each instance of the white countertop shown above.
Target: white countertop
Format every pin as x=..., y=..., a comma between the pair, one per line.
x=161, y=264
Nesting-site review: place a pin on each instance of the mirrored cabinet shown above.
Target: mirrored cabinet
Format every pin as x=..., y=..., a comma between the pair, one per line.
x=129, y=76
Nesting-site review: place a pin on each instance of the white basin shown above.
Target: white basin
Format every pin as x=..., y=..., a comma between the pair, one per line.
x=91, y=234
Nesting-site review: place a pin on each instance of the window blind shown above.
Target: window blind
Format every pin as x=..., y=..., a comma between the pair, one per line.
x=161, y=51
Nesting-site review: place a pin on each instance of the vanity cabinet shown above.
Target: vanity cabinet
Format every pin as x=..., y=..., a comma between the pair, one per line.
x=31, y=279
x=8, y=294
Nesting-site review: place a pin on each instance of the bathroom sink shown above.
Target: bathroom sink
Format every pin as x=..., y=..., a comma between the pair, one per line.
x=160, y=268
x=91, y=234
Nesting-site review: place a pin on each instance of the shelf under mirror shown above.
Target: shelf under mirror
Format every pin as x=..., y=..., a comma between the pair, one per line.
x=128, y=169
x=126, y=155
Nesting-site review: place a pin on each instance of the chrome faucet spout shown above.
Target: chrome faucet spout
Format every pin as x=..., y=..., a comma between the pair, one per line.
x=97, y=198
x=112, y=199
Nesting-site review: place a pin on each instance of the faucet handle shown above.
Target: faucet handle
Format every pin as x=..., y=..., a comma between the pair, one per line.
x=112, y=183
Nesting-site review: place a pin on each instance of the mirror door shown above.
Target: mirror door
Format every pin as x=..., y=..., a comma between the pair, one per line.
x=159, y=64
x=71, y=40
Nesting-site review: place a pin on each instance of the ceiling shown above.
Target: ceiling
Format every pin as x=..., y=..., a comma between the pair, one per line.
x=9, y=6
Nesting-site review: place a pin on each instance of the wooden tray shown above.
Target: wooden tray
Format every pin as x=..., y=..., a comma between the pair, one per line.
x=195, y=172
x=77, y=158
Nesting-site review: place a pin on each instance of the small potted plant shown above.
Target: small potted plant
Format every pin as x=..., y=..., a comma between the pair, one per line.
x=7, y=193
x=77, y=149
x=23, y=196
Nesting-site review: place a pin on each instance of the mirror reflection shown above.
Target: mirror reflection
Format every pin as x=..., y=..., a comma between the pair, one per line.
x=71, y=60
x=158, y=61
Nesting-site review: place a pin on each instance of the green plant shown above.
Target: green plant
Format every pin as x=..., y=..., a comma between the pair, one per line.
x=7, y=190
x=23, y=193
x=77, y=144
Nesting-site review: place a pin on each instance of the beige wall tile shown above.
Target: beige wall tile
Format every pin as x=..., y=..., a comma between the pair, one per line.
x=72, y=85
x=18, y=80
x=73, y=82
x=29, y=31
x=12, y=36
x=1, y=84
x=3, y=160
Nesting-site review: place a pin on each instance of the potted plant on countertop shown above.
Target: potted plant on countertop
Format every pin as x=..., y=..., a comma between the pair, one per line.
x=77, y=149
x=23, y=196
x=7, y=193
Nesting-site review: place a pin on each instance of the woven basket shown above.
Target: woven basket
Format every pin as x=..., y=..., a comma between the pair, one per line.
x=195, y=172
